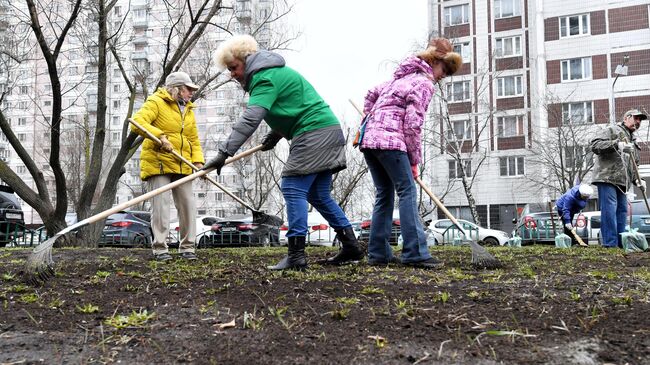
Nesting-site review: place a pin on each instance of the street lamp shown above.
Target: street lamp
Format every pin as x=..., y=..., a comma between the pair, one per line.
x=620, y=70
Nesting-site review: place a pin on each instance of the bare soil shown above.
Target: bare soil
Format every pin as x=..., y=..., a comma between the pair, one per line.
x=546, y=306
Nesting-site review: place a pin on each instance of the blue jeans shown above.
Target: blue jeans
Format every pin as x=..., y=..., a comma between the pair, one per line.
x=391, y=172
x=315, y=189
x=613, y=212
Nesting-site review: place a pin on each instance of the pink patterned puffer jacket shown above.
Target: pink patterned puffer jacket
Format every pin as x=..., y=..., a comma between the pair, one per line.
x=398, y=108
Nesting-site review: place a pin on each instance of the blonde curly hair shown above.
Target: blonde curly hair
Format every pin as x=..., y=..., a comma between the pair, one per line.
x=237, y=47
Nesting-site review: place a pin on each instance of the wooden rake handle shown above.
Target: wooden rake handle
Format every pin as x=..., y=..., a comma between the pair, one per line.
x=190, y=164
x=441, y=206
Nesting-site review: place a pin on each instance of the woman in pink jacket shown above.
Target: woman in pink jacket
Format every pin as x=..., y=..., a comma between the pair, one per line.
x=392, y=149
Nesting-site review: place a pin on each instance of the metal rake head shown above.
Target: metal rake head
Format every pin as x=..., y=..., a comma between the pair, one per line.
x=482, y=259
x=39, y=267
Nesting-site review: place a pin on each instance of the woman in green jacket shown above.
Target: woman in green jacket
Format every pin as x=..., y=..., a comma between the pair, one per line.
x=294, y=110
x=168, y=115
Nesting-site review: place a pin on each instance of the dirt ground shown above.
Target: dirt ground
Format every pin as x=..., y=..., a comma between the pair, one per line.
x=546, y=306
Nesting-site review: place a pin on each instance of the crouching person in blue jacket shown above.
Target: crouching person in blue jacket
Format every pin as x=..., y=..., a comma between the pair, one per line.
x=570, y=203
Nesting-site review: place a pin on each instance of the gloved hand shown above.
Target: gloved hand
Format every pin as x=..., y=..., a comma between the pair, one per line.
x=625, y=147
x=270, y=140
x=414, y=171
x=217, y=162
x=568, y=226
x=641, y=184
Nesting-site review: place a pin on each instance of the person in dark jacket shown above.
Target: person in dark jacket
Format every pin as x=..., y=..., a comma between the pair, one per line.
x=570, y=203
x=293, y=110
x=616, y=152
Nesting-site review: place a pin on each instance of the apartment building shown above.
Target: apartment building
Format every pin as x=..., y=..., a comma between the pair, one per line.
x=534, y=69
x=145, y=27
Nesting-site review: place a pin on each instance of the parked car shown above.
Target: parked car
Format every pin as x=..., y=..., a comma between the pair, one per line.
x=204, y=225
x=12, y=222
x=538, y=228
x=394, y=234
x=319, y=233
x=588, y=226
x=240, y=230
x=127, y=229
x=639, y=217
x=444, y=232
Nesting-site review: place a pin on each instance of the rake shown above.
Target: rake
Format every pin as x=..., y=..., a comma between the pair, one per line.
x=481, y=258
x=40, y=265
x=260, y=218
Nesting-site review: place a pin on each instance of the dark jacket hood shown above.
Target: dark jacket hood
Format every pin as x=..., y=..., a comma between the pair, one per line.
x=258, y=61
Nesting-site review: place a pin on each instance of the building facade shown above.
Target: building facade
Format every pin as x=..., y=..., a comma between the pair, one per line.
x=144, y=28
x=536, y=72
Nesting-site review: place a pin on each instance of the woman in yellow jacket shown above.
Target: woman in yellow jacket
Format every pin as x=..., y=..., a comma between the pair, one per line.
x=168, y=115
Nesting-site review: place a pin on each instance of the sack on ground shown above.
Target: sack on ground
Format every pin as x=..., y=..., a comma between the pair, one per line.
x=514, y=242
x=633, y=241
x=358, y=138
x=562, y=241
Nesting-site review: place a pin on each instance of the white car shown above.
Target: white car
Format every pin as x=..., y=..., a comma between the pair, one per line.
x=203, y=224
x=319, y=231
x=445, y=232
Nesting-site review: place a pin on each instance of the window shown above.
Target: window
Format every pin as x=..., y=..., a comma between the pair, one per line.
x=116, y=104
x=509, y=86
x=22, y=121
x=509, y=126
x=219, y=196
x=117, y=72
x=458, y=91
x=47, y=102
x=5, y=155
x=574, y=25
x=116, y=120
x=200, y=195
x=22, y=105
x=46, y=134
x=118, y=10
x=116, y=88
x=22, y=137
x=23, y=90
x=140, y=14
x=464, y=50
x=508, y=47
x=576, y=69
x=576, y=157
x=578, y=113
x=456, y=171
x=201, y=211
x=506, y=8
x=115, y=136
x=460, y=130
x=21, y=169
x=455, y=15
x=511, y=166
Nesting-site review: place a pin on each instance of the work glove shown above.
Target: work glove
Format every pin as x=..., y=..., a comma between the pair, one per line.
x=641, y=185
x=270, y=140
x=568, y=226
x=217, y=162
x=625, y=147
x=414, y=171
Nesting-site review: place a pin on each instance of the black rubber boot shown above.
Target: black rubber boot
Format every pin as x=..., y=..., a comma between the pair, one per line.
x=350, y=251
x=296, y=259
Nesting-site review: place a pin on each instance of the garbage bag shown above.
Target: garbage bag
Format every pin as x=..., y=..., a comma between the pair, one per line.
x=633, y=241
x=514, y=242
x=562, y=241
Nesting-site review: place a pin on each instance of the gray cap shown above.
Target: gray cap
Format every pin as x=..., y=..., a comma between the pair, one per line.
x=180, y=78
x=635, y=112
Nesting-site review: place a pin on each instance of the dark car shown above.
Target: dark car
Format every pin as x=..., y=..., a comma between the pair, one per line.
x=12, y=222
x=395, y=232
x=240, y=230
x=127, y=229
x=538, y=228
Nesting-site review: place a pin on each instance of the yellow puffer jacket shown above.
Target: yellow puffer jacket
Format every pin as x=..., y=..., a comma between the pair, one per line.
x=160, y=115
